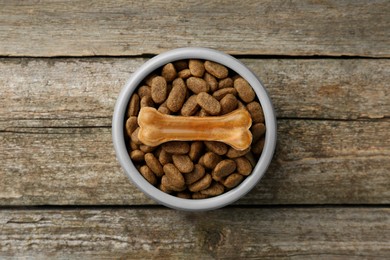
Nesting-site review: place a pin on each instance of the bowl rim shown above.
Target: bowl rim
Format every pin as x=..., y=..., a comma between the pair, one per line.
x=118, y=121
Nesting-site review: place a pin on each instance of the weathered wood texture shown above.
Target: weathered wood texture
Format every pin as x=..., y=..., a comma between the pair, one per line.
x=232, y=233
x=82, y=92
x=80, y=28
x=317, y=162
x=55, y=117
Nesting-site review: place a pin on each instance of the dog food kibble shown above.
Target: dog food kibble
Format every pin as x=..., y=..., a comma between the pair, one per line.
x=190, y=106
x=223, y=169
x=244, y=90
x=131, y=125
x=208, y=103
x=216, y=147
x=159, y=89
x=133, y=106
x=212, y=81
x=183, y=163
x=152, y=162
x=175, y=178
x=196, y=68
x=177, y=95
x=137, y=155
x=197, y=85
x=233, y=180
x=194, y=169
x=217, y=70
x=258, y=131
x=168, y=72
x=144, y=90
x=201, y=184
x=244, y=167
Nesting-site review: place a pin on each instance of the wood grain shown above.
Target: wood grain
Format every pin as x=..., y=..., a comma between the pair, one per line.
x=316, y=162
x=233, y=233
x=82, y=28
x=82, y=92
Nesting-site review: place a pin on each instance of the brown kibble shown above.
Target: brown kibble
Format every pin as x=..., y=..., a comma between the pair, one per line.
x=244, y=166
x=163, y=188
x=199, y=196
x=144, y=90
x=257, y=148
x=177, y=95
x=134, y=146
x=201, y=184
x=168, y=72
x=164, y=157
x=183, y=195
x=228, y=104
x=184, y=74
x=154, y=164
x=256, y=112
x=195, y=150
x=174, y=176
x=131, y=125
x=221, y=93
x=195, y=175
x=134, y=137
x=148, y=174
x=215, y=189
x=163, y=109
x=208, y=103
x=147, y=101
x=210, y=160
x=251, y=159
x=147, y=148
x=166, y=182
x=137, y=155
x=217, y=70
x=244, y=90
x=180, y=65
x=149, y=79
x=225, y=83
x=211, y=81
x=197, y=85
x=216, y=147
x=258, y=131
x=201, y=161
x=196, y=67
x=133, y=108
x=190, y=106
x=159, y=89
x=183, y=163
x=223, y=169
x=176, y=147
x=233, y=180
x=233, y=153
x=202, y=113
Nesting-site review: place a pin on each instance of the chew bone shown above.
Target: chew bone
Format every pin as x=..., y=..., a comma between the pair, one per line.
x=232, y=129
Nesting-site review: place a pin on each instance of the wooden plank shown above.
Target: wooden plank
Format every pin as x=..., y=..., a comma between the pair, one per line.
x=82, y=92
x=235, y=233
x=80, y=28
x=317, y=162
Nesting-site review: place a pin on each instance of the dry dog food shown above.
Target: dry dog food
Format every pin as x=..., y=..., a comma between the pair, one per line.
x=195, y=169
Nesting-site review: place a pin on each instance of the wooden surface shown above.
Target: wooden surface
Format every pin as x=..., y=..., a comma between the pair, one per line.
x=325, y=65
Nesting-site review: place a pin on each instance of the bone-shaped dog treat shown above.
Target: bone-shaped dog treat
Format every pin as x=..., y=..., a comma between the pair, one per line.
x=157, y=128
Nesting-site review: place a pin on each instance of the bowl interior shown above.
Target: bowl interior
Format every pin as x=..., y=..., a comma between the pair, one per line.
x=156, y=194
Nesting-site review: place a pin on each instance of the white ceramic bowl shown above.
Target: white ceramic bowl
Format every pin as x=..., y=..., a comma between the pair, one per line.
x=118, y=122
